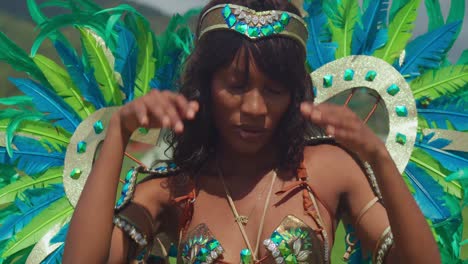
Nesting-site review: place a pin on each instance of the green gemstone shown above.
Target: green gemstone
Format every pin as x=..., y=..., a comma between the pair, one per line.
x=267, y=30
x=246, y=256
x=284, y=249
x=202, y=254
x=285, y=17
x=291, y=259
x=278, y=27
x=393, y=89
x=370, y=76
x=231, y=21
x=349, y=75
x=401, y=111
x=241, y=27
x=226, y=11
x=98, y=127
x=327, y=81
x=143, y=130
x=212, y=245
x=276, y=238
x=76, y=173
x=400, y=139
x=81, y=147
x=253, y=32
x=129, y=175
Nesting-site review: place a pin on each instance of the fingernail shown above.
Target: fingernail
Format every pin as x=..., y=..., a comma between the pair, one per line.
x=166, y=121
x=190, y=113
x=179, y=127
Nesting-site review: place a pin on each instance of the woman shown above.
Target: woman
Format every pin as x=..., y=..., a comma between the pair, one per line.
x=241, y=130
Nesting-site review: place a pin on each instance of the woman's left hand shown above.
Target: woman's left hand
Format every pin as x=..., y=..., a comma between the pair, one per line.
x=347, y=129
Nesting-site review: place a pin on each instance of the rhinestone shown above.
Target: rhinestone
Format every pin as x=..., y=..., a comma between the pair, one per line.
x=266, y=242
x=226, y=11
x=237, y=11
x=269, y=19
x=278, y=27
x=327, y=81
x=246, y=256
x=219, y=250
x=138, y=237
x=248, y=19
x=253, y=32
x=275, y=253
x=212, y=245
x=291, y=259
x=285, y=19
x=400, y=139
x=214, y=255
x=276, y=238
x=202, y=254
x=241, y=27
x=267, y=30
x=242, y=15
x=393, y=89
x=262, y=20
x=98, y=127
x=271, y=247
x=401, y=111
x=75, y=173
x=231, y=20
x=348, y=75
x=285, y=251
x=255, y=20
x=143, y=130
x=370, y=76
x=275, y=15
x=127, y=227
x=81, y=147
x=279, y=260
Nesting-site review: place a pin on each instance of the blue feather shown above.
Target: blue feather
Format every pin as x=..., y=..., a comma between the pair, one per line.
x=166, y=75
x=34, y=201
x=428, y=194
x=56, y=256
x=47, y=101
x=453, y=109
x=371, y=35
x=428, y=51
x=31, y=157
x=126, y=60
x=319, y=50
x=448, y=159
x=83, y=79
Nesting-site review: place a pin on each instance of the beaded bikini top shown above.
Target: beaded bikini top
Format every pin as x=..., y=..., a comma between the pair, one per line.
x=292, y=241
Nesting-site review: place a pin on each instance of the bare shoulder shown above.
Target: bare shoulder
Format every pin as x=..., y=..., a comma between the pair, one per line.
x=331, y=162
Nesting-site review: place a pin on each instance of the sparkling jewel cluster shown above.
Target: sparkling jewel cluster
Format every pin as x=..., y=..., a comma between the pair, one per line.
x=131, y=231
x=255, y=24
x=291, y=247
x=199, y=250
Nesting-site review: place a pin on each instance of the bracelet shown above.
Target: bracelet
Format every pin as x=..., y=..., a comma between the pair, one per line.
x=383, y=246
x=131, y=231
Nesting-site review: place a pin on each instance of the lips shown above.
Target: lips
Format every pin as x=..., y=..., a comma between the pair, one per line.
x=250, y=132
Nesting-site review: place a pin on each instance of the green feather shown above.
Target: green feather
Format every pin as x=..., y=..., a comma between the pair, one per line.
x=21, y=102
x=19, y=59
x=434, y=14
x=49, y=135
x=11, y=191
x=102, y=61
x=19, y=257
x=462, y=177
x=399, y=32
x=396, y=6
x=8, y=175
x=343, y=19
x=437, y=171
x=146, y=65
x=13, y=126
x=457, y=11
x=63, y=86
x=463, y=58
x=437, y=82
x=58, y=212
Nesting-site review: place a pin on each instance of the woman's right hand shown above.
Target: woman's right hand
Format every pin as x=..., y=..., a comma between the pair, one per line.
x=157, y=109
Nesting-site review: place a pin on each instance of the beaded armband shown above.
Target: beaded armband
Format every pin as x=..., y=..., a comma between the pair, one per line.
x=131, y=231
x=383, y=246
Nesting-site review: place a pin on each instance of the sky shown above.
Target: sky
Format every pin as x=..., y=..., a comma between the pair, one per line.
x=180, y=6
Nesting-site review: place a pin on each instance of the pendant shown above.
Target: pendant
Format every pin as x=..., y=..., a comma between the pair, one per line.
x=246, y=256
x=242, y=219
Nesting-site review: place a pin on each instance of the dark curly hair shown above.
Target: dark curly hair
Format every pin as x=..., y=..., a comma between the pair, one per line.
x=280, y=58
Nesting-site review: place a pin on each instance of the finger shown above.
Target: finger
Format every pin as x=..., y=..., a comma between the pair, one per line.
x=141, y=114
x=306, y=108
x=194, y=107
x=181, y=104
x=175, y=119
x=159, y=117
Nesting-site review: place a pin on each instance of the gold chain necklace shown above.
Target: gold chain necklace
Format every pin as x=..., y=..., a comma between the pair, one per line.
x=247, y=255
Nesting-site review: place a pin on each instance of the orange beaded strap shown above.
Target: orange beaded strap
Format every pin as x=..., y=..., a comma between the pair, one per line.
x=310, y=205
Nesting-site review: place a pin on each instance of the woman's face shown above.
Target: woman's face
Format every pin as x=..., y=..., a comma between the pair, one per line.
x=247, y=106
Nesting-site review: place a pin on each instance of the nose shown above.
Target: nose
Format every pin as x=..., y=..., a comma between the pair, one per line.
x=253, y=103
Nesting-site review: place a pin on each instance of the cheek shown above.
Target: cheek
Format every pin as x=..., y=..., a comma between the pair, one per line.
x=224, y=104
x=278, y=107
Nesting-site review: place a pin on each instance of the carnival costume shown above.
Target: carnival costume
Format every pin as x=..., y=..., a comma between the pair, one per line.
x=48, y=138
